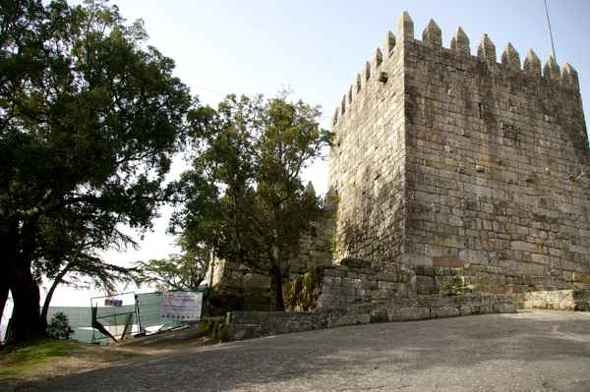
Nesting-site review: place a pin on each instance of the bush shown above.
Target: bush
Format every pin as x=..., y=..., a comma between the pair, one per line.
x=301, y=294
x=59, y=327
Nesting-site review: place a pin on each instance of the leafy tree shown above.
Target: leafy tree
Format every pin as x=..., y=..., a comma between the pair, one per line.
x=69, y=247
x=89, y=119
x=86, y=265
x=183, y=271
x=243, y=196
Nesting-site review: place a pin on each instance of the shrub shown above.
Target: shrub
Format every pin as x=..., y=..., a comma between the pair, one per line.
x=59, y=327
x=301, y=294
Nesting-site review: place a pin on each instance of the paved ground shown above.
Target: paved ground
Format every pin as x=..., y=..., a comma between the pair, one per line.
x=540, y=351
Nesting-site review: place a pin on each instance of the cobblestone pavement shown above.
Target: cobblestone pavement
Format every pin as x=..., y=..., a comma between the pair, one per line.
x=538, y=351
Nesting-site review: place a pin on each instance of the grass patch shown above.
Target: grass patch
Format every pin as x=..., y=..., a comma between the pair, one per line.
x=47, y=359
x=50, y=358
x=23, y=361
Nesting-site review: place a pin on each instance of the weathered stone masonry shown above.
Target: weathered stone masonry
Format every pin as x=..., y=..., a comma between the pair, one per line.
x=367, y=162
x=444, y=161
x=463, y=188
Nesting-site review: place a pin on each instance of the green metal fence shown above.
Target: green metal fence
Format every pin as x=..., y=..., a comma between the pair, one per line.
x=144, y=308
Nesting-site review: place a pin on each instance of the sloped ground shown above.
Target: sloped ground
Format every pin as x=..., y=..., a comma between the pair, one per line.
x=51, y=358
x=533, y=351
x=48, y=359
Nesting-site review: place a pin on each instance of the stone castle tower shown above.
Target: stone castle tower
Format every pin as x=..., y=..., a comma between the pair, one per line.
x=446, y=159
x=462, y=187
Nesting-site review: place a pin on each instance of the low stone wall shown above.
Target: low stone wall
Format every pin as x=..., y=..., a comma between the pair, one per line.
x=436, y=306
x=479, y=278
x=243, y=325
x=343, y=286
x=352, y=294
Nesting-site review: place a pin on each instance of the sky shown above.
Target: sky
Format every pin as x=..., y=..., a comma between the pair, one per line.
x=314, y=48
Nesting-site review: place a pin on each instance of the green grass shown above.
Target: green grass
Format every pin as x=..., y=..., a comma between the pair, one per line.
x=50, y=358
x=23, y=361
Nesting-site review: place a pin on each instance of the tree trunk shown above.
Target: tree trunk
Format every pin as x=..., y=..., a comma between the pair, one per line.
x=7, y=255
x=26, y=316
x=58, y=279
x=276, y=282
x=26, y=323
x=3, y=295
x=276, y=287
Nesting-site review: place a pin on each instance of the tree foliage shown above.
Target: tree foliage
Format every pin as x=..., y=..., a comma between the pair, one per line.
x=183, y=271
x=89, y=119
x=244, y=196
x=59, y=327
x=84, y=267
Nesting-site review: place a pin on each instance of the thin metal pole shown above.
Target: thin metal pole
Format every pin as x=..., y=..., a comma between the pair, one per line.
x=138, y=313
x=550, y=30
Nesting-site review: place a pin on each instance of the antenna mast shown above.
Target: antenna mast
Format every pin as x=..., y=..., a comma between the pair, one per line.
x=550, y=31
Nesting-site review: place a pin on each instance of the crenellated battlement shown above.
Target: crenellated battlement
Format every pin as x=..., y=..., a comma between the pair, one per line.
x=452, y=159
x=549, y=74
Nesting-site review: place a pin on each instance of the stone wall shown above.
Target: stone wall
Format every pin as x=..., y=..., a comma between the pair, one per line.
x=242, y=325
x=447, y=160
x=458, y=178
x=343, y=286
x=237, y=287
x=241, y=288
x=572, y=299
x=493, y=153
x=316, y=245
x=367, y=162
x=351, y=295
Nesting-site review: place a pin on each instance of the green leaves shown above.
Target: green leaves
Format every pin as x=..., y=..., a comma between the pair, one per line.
x=89, y=119
x=244, y=196
x=178, y=272
x=59, y=327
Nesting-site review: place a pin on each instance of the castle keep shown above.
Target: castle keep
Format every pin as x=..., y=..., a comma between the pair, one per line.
x=471, y=166
x=462, y=186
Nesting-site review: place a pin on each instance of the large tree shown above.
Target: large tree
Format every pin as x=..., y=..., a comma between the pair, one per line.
x=244, y=196
x=89, y=119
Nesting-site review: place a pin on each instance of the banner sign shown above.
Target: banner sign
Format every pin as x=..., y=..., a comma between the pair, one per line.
x=181, y=306
x=113, y=302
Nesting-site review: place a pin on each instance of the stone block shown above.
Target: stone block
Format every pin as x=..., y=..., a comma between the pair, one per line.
x=409, y=313
x=425, y=285
x=450, y=262
x=445, y=311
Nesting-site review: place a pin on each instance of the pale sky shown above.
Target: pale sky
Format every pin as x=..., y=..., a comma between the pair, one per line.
x=315, y=49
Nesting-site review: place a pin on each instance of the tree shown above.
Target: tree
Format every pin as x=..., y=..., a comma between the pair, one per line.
x=183, y=271
x=244, y=197
x=69, y=245
x=86, y=265
x=89, y=119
